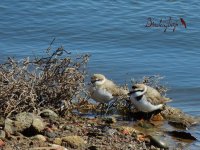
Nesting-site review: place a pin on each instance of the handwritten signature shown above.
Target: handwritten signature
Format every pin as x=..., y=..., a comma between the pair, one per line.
x=165, y=23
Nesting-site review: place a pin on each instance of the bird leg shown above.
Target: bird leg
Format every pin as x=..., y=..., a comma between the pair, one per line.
x=110, y=104
x=100, y=107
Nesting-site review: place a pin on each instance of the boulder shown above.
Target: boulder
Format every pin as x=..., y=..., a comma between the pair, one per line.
x=48, y=113
x=26, y=123
x=38, y=124
x=39, y=137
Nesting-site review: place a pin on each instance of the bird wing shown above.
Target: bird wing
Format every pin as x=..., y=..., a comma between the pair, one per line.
x=99, y=94
x=114, y=89
x=154, y=97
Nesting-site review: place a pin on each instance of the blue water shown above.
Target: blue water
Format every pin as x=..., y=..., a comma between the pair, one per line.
x=114, y=33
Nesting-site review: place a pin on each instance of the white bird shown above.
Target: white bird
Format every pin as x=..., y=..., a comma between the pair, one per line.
x=103, y=90
x=147, y=99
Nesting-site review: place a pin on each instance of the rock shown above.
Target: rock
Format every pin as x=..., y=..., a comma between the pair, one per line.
x=69, y=128
x=2, y=121
x=48, y=113
x=178, y=124
x=9, y=126
x=57, y=147
x=181, y=135
x=2, y=143
x=126, y=130
x=157, y=117
x=50, y=134
x=157, y=141
x=145, y=124
x=2, y=134
x=109, y=120
x=23, y=121
x=111, y=131
x=93, y=148
x=131, y=146
x=176, y=115
x=26, y=123
x=74, y=141
x=57, y=141
x=39, y=137
x=38, y=124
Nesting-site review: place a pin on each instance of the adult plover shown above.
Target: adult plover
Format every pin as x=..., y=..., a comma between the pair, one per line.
x=147, y=99
x=104, y=91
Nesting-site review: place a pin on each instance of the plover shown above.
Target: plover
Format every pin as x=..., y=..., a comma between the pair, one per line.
x=104, y=91
x=147, y=99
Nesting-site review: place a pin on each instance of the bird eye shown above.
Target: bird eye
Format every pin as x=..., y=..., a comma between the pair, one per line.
x=134, y=87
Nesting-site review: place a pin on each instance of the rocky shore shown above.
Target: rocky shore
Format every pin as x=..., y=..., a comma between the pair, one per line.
x=48, y=131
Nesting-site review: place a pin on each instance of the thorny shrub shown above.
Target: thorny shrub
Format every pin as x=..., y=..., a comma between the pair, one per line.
x=52, y=81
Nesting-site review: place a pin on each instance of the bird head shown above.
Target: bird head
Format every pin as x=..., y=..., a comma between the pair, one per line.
x=138, y=89
x=98, y=79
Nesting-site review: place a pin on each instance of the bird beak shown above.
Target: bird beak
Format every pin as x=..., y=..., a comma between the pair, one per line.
x=93, y=81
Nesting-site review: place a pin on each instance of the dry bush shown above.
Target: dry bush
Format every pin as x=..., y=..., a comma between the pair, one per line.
x=52, y=81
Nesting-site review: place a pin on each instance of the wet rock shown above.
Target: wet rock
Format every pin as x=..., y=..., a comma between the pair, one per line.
x=74, y=141
x=181, y=135
x=178, y=125
x=2, y=134
x=39, y=137
x=158, y=142
x=57, y=141
x=145, y=124
x=48, y=113
x=174, y=114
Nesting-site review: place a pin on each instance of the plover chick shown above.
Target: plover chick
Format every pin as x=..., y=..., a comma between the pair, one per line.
x=104, y=91
x=147, y=99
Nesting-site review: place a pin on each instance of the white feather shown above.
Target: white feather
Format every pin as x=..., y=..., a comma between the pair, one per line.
x=143, y=104
x=100, y=95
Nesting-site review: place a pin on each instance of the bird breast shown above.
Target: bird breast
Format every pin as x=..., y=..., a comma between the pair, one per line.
x=144, y=105
x=100, y=95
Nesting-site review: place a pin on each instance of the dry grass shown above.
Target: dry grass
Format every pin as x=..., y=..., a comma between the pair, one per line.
x=153, y=81
x=52, y=81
